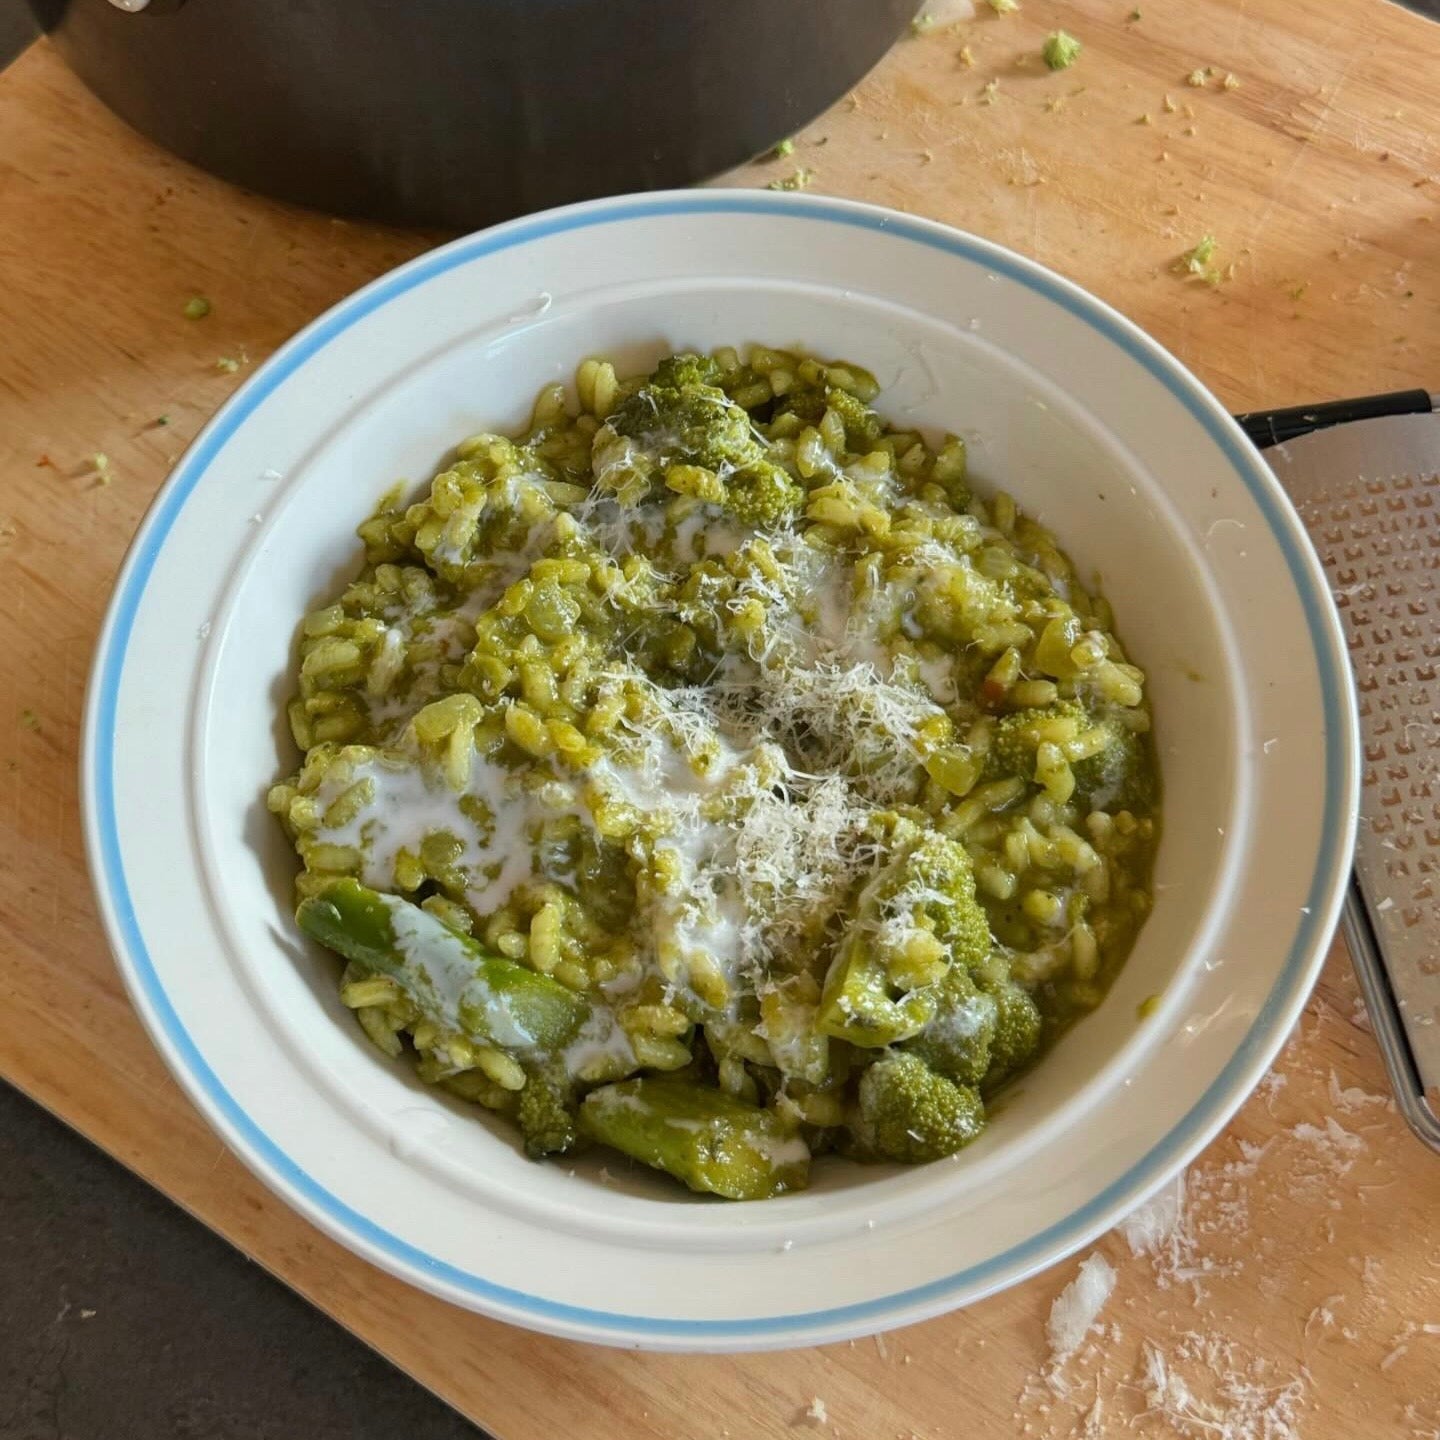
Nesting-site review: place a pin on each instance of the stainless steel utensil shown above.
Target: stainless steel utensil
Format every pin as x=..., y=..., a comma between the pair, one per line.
x=1369, y=494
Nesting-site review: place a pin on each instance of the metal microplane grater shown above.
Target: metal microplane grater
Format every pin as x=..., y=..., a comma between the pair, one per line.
x=1369, y=494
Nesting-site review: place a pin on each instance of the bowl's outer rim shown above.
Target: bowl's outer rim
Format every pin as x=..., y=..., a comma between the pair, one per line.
x=1192, y=1133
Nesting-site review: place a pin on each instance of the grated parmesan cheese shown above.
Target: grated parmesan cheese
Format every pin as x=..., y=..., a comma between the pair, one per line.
x=1078, y=1306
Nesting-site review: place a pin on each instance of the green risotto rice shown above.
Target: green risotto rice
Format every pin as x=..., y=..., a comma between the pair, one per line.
x=710, y=774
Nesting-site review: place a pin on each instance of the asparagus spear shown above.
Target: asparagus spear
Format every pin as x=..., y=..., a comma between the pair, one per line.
x=702, y=1137
x=455, y=982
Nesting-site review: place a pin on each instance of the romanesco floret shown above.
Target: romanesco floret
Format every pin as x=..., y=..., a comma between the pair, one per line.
x=956, y=1043
x=547, y=1113
x=911, y=1114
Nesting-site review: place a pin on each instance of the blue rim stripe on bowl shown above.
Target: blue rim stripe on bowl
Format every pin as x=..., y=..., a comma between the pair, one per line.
x=1074, y=1229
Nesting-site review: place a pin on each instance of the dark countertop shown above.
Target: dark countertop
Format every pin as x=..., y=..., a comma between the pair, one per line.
x=122, y=1317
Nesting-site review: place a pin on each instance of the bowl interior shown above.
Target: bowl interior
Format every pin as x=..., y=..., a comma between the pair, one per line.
x=1063, y=465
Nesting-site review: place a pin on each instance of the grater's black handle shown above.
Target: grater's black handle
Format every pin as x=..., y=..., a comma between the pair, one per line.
x=1275, y=427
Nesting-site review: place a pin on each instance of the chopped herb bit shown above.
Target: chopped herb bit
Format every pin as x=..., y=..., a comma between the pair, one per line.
x=967, y=55
x=1060, y=51
x=197, y=307
x=799, y=179
x=1197, y=78
x=1003, y=7
x=30, y=720
x=162, y=419
x=1229, y=83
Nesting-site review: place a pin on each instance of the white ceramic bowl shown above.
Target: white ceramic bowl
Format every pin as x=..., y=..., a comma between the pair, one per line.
x=1095, y=429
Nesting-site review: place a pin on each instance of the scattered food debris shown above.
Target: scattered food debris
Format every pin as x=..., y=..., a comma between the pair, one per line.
x=1150, y=1227
x=1200, y=262
x=1060, y=50
x=1231, y=83
x=30, y=720
x=162, y=419
x=817, y=1411
x=1078, y=1305
x=229, y=364
x=989, y=93
x=1003, y=7
x=1167, y=105
x=780, y=151
x=967, y=56
x=1197, y=78
x=100, y=464
x=197, y=307
x=798, y=179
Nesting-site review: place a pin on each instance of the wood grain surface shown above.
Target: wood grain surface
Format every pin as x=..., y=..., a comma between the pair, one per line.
x=1313, y=1259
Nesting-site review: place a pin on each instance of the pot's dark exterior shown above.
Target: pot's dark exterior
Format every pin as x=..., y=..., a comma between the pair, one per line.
x=463, y=112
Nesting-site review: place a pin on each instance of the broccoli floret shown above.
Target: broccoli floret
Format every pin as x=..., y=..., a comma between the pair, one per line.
x=956, y=1043
x=1017, y=736
x=681, y=429
x=676, y=371
x=916, y=920
x=862, y=425
x=547, y=1113
x=1121, y=776
x=1016, y=1035
x=911, y=1114
x=1060, y=51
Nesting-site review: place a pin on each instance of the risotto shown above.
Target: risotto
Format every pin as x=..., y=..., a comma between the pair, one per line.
x=708, y=773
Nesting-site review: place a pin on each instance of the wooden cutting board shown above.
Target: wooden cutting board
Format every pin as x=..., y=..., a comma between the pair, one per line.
x=1315, y=1254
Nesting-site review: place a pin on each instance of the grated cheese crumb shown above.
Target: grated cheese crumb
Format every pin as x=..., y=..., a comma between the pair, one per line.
x=817, y=1411
x=1152, y=1225
x=1078, y=1305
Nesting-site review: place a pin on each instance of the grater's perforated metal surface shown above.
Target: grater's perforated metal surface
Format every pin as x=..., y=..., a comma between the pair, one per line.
x=1369, y=495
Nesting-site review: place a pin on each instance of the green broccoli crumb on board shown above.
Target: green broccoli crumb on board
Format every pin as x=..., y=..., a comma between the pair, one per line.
x=780, y=151
x=30, y=720
x=1199, y=262
x=799, y=179
x=197, y=307
x=1060, y=50
x=1003, y=7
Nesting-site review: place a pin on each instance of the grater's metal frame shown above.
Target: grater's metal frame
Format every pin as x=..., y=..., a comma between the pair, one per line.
x=1354, y=464
x=1384, y=1013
